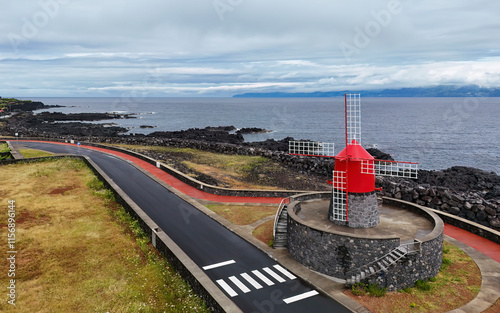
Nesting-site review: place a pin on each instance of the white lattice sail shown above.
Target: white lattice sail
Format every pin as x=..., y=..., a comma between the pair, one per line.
x=353, y=117
x=311, y=148
x=339, y=196
x=390, y=168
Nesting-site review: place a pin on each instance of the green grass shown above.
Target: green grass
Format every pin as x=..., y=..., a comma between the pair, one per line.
x=235, y=171
x=242, y=214
x=32, y=153
x=78, y=251
x=4, y=151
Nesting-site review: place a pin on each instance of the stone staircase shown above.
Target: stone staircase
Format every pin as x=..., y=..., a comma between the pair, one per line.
x=381, y=264
x=280, y=226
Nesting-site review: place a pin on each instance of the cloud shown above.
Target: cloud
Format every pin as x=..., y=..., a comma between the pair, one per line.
x=85, y=48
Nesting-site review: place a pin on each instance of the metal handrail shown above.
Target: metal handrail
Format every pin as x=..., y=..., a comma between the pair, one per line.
x=278, y=213
x=416, y=242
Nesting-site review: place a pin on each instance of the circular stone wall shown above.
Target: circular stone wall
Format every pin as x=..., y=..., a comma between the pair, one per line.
x=339, y=253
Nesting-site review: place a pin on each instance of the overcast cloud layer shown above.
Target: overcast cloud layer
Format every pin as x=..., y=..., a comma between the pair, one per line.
x=225, y=47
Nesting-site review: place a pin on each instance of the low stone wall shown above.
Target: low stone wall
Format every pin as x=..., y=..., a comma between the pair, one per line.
x=468, y=205
x=330, y=253
x=339, y=254
x=413, y=267
x=200, y=185
x=307, y=165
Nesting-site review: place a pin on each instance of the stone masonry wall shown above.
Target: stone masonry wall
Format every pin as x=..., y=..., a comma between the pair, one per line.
x=333, y=254
x=336, y=254
x=470, y=205
x=413, y=267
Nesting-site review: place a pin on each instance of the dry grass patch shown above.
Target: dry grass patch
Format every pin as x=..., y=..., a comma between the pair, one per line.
x=32, y=153
x=243, y=214
x=233, y=171
x=77, y=251
x=264, y=232
x=457, y=283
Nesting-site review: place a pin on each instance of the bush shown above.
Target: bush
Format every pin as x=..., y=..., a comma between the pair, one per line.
x=445, y=264
x=375, y=290
x=423, y=285
x=359, y=289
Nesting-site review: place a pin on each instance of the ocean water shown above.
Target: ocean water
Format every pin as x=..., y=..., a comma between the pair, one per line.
x=435, y=132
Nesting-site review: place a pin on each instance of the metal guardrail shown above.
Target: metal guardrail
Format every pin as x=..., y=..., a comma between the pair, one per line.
x=283, y=202
x=402, y=251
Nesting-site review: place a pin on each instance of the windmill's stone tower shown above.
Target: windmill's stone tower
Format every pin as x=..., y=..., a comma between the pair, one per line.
x=360, y=189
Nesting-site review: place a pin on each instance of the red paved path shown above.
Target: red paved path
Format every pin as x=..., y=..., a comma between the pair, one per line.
x=481, y=244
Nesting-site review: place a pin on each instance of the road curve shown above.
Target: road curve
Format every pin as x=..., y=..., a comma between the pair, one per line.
x=250, y=278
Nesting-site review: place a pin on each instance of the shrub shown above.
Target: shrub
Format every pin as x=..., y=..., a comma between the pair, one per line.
x=375, y=290
x=359, y=289
x=445, y=264
x=423, y=285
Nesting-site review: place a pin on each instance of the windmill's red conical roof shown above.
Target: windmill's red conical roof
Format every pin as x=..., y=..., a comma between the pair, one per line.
x=355, y=150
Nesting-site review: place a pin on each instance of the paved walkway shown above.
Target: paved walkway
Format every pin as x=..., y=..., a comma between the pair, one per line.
x=481, y=244
x=482, y=250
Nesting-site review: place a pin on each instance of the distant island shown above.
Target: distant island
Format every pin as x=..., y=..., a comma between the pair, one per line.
x=435, y=91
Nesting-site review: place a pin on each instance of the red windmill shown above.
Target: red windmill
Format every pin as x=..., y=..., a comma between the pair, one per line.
x=354, y=202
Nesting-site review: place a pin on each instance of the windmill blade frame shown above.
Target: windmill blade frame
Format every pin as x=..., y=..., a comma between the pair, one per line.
x=340, y=196
x=352, y=118
x=312, y=148
x=390, y=168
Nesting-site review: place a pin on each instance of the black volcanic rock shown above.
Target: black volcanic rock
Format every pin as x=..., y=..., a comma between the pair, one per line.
x=209, y=134
x=377, y=154
x=58, y=116
x=251, y=130
x=48, y=124
x=460, y=178
x=271, y=144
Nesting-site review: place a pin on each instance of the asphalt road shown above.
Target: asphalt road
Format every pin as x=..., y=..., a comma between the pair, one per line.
x=250, y=278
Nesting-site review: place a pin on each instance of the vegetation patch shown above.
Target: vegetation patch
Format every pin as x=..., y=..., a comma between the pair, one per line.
x=78, y=251
x=264, y=232
x=232, y=171
x=32, y=153
x=4, y=151
x=242, y=214
x=457, y=283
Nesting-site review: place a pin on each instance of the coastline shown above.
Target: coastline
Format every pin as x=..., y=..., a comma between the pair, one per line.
x=463, y=191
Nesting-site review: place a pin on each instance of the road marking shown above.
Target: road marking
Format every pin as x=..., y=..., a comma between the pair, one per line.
x=209, y=267
x=239, y=284
x=284, y=271
x=263, y=278
x=301, y=296
x=273, y=274
x=230, y=291
x=252, y=281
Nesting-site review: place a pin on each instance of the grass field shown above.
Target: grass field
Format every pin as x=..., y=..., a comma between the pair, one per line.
x=32, y=153
x=77, y=251
x=234, y=171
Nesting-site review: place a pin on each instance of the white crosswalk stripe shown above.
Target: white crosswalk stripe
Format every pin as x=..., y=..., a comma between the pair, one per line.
x=230, y=291
x=301, y=296
x=239, y=284
x=284, y=271
x=273, y=274
x=256, y=280
x=252, y=281
x=261, y=276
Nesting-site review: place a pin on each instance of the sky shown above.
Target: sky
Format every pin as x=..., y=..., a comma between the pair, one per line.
x=218, y=48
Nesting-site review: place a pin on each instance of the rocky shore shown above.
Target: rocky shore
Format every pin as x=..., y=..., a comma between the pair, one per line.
x=463, y=191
